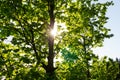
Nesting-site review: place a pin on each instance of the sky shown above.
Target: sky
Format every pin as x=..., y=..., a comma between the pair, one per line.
x=111, y=46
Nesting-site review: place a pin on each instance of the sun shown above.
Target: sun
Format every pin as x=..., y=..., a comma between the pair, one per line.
x=54, y=32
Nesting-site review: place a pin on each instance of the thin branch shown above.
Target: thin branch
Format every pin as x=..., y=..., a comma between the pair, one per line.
x=33, y=45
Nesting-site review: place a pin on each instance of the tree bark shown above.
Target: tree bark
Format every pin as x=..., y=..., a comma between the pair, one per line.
x=86, y=59
x=50, y=67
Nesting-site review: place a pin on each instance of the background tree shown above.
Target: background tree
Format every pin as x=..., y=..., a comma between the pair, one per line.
x=106, y=69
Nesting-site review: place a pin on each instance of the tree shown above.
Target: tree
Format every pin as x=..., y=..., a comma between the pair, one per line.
x=30, y=22
x=118, y=73
x=105, y=69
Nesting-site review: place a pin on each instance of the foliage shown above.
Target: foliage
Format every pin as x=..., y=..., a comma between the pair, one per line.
x=32, y=49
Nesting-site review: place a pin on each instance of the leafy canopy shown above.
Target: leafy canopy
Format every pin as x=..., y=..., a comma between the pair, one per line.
x=79, y=25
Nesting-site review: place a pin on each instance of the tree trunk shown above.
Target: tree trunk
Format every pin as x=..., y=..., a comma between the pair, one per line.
x=86, y=60
x=50, y=67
